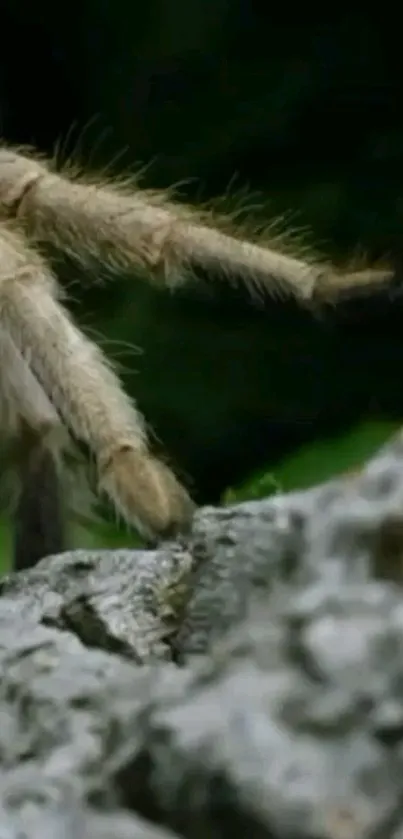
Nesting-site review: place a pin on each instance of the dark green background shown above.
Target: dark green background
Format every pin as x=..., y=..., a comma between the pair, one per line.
x=307, y=112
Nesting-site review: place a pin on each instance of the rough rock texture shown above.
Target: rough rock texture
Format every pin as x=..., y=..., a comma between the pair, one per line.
x=247, y=683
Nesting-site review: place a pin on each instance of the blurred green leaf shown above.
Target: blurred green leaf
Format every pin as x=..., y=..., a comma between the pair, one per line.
x=316, y=463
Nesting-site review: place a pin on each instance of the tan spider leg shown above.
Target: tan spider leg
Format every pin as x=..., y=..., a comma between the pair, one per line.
x=135, y=229
x=85, y=392
x=23, y=401
x=119, y=225
x=36, y=437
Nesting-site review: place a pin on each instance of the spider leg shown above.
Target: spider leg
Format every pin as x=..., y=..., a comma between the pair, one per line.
x=85, y=392
x=116, y=224
x=36, y=435
x=39, y=521
x=22, y=399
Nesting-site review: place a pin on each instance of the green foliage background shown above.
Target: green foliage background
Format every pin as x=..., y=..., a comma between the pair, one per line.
x=245, y=399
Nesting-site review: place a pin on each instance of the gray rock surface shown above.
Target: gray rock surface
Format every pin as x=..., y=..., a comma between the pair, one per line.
x=246, y=683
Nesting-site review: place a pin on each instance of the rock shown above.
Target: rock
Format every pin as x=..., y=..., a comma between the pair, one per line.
x=247, y=682
x=129, y=602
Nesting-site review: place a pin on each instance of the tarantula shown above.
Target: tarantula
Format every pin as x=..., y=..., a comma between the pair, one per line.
x=56, y=385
